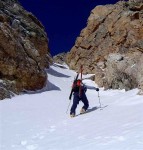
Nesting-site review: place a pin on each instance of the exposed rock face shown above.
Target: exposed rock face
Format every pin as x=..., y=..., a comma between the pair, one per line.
x=134, y=1
x=24, y=50
x=60, y=58
x=111, y=46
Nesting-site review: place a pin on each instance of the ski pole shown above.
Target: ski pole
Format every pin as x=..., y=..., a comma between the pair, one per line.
x=99, y=99
x=68, y=107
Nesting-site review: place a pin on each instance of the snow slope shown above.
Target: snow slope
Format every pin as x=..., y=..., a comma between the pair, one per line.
x=38, y=121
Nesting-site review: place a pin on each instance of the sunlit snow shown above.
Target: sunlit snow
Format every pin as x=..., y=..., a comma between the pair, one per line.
x=38, y=120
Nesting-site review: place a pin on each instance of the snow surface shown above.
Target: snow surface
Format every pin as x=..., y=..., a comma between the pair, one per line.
x=38, y=120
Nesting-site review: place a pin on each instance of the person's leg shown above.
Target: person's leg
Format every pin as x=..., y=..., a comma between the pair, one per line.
x=85, y=102
x=74, y=105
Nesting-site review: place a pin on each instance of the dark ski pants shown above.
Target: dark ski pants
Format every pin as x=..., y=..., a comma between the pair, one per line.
x=76, y=100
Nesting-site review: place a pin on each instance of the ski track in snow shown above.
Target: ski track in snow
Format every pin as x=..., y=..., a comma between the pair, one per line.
x=38, y=120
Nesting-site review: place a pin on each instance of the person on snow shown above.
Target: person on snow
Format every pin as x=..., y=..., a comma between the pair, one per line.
x=79, y=90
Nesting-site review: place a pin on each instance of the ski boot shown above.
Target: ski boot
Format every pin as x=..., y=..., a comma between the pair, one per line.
x=82, y=111
x=72, y=115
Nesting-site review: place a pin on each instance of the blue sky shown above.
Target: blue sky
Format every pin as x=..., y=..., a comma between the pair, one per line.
x=63, y=19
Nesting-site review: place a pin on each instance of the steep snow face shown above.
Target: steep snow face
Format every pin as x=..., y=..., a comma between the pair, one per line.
x=38, y=121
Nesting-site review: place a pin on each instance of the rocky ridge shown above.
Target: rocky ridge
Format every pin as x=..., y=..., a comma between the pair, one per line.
x=60, y=58
x=24, y=52
x=111, y=46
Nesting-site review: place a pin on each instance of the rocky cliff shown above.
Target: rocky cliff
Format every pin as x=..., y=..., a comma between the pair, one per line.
x=60, y=58
x=111, y=46
x=24, y=51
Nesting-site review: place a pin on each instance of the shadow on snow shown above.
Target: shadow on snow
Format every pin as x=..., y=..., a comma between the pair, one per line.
x=89, y=110
x=60, y=66
x=56, y=73
x=49, y=87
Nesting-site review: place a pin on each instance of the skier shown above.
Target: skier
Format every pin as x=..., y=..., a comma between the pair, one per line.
x=79, y=90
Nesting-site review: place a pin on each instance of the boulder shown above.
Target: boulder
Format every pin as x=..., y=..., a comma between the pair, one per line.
x=60, y=58
x=24, y=52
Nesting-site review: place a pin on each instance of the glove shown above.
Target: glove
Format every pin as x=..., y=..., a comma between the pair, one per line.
x=97, y=89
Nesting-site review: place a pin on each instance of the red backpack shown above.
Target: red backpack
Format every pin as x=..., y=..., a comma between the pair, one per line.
x=76, y=85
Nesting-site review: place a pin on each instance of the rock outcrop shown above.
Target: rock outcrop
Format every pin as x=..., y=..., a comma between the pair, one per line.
x=111, y=46
x=60, y=58
x=24, y=51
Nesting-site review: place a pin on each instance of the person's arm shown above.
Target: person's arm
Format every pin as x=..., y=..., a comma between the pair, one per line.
x=84, y=87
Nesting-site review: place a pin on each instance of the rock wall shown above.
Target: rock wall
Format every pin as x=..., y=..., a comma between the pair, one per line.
x=24, y=51
x=60, y=58
x=111, y=46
